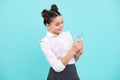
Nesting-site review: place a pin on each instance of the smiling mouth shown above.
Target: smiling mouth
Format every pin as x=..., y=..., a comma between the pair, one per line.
x=59, y=29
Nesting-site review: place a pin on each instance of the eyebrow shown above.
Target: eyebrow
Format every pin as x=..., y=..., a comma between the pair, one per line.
x=60, y=22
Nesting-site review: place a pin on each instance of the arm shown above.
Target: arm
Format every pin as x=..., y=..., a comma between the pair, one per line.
x=57, y=64
x=52, y=59
x=77, y=53
x=69, y=55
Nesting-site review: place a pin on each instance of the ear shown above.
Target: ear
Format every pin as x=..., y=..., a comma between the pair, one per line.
x=47, y=25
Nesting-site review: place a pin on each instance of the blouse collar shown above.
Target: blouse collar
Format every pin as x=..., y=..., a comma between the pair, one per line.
x=49, y=34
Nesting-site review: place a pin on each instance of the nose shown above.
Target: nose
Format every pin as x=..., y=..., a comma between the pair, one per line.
x=61, y=25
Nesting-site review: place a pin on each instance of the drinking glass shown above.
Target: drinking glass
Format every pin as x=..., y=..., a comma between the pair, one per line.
x=78, y=37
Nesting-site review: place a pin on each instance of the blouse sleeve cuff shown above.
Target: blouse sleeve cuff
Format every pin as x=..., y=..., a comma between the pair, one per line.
x=59, y=66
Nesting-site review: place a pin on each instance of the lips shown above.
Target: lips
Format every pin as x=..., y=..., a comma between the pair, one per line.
x=59, y=29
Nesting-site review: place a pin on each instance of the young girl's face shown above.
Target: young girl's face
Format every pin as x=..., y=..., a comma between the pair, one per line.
x=56, y=25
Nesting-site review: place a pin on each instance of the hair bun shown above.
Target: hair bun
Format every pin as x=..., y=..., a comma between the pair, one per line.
x=54, y=8
x=45, y=12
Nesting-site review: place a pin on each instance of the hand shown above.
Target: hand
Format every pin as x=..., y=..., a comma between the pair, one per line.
x=78, y=46
x=78, y=53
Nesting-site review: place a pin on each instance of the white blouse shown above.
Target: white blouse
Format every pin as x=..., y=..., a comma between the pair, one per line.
x=55, y=48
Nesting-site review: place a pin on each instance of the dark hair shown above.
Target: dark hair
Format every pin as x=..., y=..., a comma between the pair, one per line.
x=48, y=15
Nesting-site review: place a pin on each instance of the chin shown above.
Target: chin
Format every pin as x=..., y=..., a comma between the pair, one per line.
x=59, y=31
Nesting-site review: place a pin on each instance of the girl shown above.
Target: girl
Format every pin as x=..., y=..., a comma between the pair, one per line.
x=59, y=49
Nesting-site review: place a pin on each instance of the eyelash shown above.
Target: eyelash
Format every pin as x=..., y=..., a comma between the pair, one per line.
x=59, y=24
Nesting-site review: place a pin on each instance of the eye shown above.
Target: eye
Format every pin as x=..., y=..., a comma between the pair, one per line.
x=62, y=22
x=57, y=24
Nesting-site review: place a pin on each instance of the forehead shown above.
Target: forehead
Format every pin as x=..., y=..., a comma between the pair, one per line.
x=57, y=19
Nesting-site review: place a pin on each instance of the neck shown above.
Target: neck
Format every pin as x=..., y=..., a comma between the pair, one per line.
x=53, y=33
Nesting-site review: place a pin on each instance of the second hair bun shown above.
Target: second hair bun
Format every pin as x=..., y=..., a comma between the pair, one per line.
x=54, y=8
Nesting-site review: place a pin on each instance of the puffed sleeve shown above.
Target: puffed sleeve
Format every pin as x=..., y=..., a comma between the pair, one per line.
x=55, y=63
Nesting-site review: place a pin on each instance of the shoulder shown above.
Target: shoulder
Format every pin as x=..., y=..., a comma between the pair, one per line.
x=43, y=40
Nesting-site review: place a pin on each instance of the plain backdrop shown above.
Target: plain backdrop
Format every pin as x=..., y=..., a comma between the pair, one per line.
x=21, y=28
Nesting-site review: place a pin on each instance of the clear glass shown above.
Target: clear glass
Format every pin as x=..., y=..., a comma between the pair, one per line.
x=78, y=36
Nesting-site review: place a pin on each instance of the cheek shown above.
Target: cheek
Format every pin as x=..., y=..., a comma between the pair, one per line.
x=56, y=27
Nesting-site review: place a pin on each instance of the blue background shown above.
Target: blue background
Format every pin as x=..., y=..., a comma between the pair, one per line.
x=21, y=28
